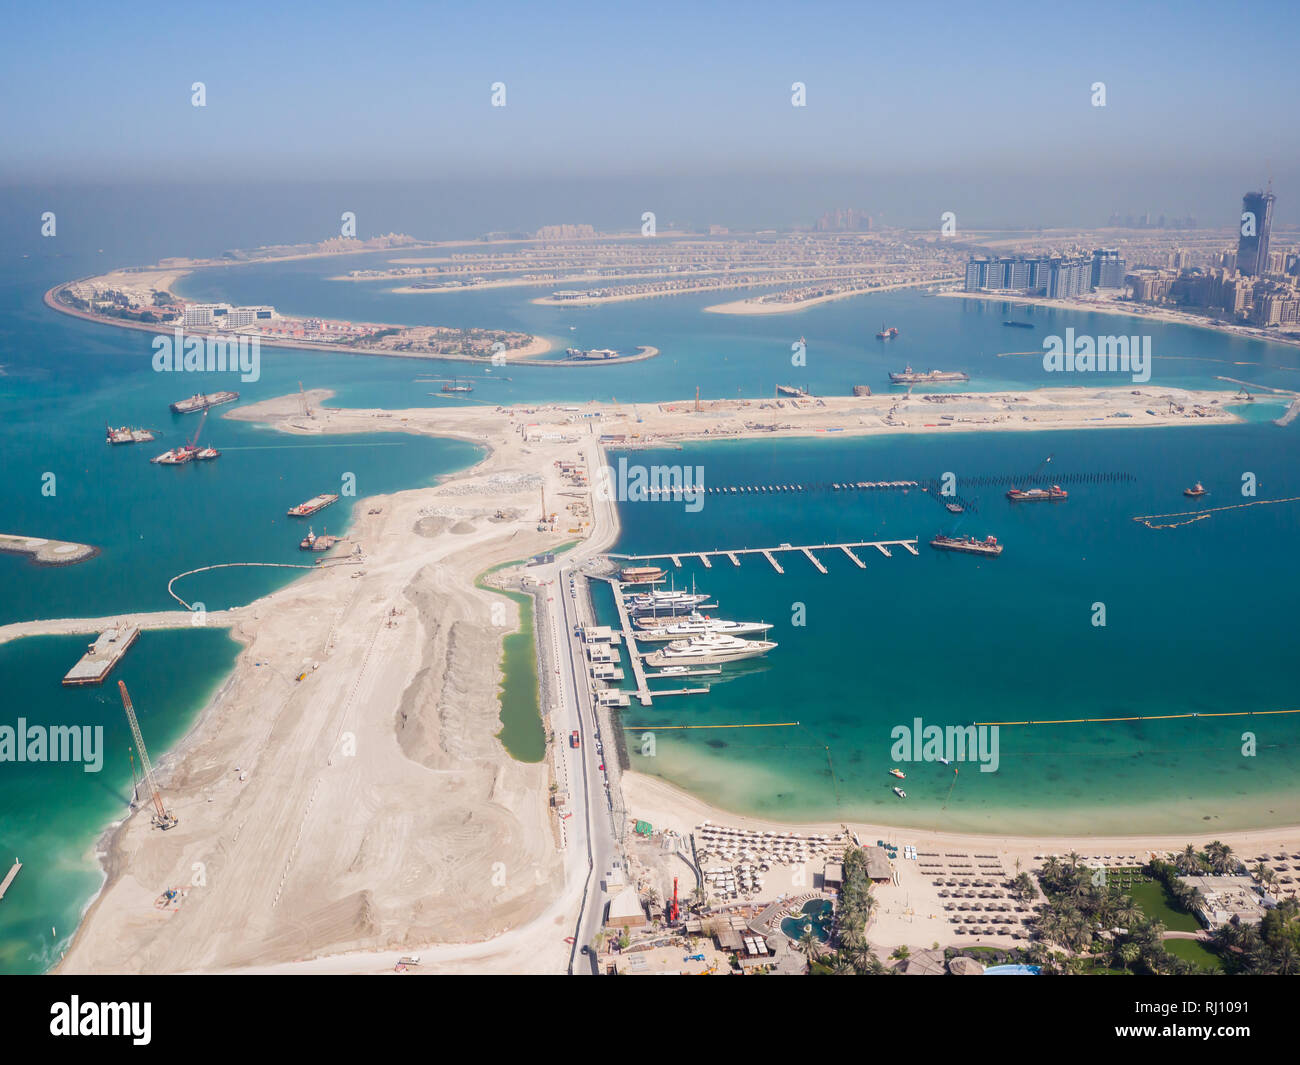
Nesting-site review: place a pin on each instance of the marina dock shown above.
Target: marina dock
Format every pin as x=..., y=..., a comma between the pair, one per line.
x=9, y=877
x=102, y=655
x=770, y=553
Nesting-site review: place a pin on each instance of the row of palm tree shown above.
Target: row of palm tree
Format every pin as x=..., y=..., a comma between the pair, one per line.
x=857, y=903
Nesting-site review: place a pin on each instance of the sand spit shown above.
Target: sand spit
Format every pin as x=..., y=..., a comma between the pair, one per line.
x=367, y=806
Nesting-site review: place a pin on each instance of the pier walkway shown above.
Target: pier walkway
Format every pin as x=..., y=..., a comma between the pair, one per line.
x=770, y=553
x=9, y=878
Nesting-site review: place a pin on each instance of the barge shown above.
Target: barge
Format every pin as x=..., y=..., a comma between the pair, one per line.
x=202, y=401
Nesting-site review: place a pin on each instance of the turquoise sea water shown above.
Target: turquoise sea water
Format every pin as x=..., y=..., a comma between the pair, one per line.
x=1198, y=618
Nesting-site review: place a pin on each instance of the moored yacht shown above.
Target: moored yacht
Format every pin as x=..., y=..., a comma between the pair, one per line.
x=712, y=649
x=697, y=625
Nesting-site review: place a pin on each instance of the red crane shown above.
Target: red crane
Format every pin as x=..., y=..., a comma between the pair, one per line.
x=673, y=909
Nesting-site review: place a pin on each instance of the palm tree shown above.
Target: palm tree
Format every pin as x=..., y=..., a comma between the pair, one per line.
x=1286, y=962
x=864, y=958
x=842, y=966
x=1128, y=954
x=1188, y=861
x=1220, y=855
x=807, y=945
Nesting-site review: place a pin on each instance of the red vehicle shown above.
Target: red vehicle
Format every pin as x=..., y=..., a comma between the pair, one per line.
x=573, y=738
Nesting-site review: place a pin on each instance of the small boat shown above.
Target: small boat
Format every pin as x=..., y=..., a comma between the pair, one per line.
x=887, y=332
x=944, y=761
x=900, y=793
x=1195, y=491
x=898, y=773
x=672, y=670
x=205, y=453
x=955, y=508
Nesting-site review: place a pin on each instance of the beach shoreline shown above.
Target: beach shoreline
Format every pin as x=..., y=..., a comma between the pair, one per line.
x=1132, y=310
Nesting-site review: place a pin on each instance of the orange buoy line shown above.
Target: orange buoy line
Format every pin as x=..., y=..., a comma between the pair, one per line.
x=1199, y=515
x=1146, y=717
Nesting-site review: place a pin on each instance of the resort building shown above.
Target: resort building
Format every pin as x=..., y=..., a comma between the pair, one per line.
x=879, y=869
x=1223, y=898
x=204, y=314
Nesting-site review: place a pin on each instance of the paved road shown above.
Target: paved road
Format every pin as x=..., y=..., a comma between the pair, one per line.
x=593, y=844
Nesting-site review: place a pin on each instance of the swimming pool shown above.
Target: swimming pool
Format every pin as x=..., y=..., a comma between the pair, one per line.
x=816, y=917
x=1012, y=970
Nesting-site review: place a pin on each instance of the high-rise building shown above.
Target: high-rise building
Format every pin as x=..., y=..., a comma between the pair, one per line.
x=1108, y=268
x=1256, y=222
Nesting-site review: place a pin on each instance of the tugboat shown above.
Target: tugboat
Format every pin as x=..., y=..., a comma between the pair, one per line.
x=1195, y=491
x=1038, y=495
x=887, y=332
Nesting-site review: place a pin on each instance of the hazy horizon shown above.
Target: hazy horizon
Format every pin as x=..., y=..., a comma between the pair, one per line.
x=687, y=113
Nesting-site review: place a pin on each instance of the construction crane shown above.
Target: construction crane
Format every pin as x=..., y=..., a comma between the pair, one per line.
x=673, y=909
x=302, y=402
x=163, y=818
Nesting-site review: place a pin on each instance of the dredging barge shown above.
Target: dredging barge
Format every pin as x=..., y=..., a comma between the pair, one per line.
x=312, y=505
x=1038, y=495
x=927, y=377
x=968, y=544
x=202, y=401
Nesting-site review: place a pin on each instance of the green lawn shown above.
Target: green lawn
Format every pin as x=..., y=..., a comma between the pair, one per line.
x=1191, y=950
x=1157, y=905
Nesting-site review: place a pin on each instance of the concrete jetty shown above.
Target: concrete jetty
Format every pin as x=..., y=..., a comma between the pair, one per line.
x=102, y=655
x=813, y=559
x=772, y=559
x=849, y=551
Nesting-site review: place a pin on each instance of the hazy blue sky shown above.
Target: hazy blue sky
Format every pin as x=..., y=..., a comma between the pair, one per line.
x=966, y=97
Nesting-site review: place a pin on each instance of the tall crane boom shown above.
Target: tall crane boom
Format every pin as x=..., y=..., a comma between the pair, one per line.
x=162, y=818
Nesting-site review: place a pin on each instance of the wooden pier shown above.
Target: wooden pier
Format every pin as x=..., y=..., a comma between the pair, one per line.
x=102, y=655
x=770, y=553
x=9, y=878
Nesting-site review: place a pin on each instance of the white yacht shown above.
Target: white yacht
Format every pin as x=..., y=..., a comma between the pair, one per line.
x=659, y=601
x=697, y=625
x=708, y=650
